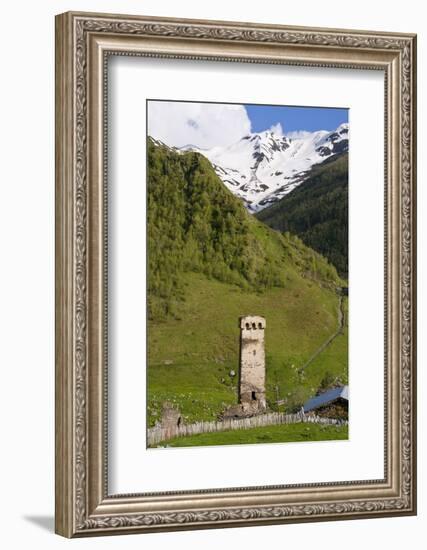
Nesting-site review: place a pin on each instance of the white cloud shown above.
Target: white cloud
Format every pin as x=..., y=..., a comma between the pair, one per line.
x=277, y=129
x=298, y=134
x=203, y=124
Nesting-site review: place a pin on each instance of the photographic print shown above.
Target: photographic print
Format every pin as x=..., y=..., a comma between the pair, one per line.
x=247, y=273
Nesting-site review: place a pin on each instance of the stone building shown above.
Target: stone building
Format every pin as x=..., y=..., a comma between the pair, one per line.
x=332, y=403
x=252, y=363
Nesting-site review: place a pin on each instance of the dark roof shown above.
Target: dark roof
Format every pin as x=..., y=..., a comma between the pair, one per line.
x=326, y=397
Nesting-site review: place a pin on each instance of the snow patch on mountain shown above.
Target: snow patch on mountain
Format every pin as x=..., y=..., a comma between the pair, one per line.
x=261, y=168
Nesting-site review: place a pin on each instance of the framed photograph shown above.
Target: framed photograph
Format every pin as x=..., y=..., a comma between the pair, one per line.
x=235, y=274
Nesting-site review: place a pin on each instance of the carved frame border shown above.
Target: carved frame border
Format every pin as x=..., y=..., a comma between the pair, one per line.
x=83, y=43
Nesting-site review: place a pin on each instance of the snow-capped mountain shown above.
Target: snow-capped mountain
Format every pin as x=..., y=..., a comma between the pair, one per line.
x=262, y=167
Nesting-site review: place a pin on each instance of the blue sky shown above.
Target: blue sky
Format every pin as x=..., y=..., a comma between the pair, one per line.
x=209, y=125
x=292, y=119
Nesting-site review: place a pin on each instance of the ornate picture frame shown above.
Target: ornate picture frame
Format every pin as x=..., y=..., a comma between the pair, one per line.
x=84, y=42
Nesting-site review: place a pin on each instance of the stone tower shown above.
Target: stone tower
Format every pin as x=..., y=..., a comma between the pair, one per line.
x=252, y=363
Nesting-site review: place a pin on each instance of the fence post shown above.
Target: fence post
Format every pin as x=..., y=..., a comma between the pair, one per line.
x=157, y=434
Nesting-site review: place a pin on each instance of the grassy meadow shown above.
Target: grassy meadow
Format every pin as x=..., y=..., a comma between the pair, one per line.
x=191, y=358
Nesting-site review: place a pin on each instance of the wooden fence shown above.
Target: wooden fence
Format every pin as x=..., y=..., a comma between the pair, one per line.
x=159, y=434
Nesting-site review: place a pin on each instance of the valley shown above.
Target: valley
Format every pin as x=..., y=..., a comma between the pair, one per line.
x=211, y=261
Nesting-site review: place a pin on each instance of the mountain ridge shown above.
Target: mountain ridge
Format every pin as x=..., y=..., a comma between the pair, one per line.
x=317, y=211
x=196, y=224
x=262, y=167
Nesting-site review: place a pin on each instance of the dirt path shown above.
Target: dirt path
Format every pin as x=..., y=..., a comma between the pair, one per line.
x=328, y=342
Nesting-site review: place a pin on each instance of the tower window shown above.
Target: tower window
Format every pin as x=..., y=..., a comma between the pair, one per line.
x=253, y=396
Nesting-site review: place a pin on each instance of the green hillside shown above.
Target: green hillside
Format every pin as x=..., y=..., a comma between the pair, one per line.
x=317, y=211
x=196, y=224
x=211, y=262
